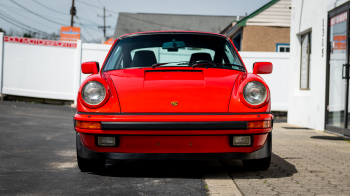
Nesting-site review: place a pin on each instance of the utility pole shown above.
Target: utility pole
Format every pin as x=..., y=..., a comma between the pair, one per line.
x=73, y=12
x=104, y=22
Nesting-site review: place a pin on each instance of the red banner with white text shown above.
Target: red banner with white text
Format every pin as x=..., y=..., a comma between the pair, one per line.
x=42, y=42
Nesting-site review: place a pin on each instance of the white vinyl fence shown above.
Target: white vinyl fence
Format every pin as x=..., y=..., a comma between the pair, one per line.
x=44, y=68
x=278, y=80
x=51, y=69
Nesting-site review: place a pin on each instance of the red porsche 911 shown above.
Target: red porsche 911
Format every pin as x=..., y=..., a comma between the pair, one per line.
x=173, y=95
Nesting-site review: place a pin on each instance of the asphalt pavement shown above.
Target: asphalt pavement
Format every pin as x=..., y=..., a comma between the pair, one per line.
x=38, y=157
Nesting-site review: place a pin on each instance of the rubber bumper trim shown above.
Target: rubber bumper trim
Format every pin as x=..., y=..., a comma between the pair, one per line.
x=263, y=152
x=224, y=125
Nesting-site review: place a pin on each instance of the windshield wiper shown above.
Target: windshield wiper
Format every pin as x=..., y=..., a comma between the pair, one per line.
x=158, y=64
x=217, y=64
x=194, y=62
x=202, y=64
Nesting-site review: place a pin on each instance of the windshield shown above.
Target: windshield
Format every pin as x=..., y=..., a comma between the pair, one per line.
x=174, y=50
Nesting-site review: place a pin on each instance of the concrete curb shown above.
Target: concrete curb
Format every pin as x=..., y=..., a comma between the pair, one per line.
x=220, y=183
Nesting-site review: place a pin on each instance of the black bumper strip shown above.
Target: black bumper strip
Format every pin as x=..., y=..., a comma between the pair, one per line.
x=263, y=152
x=224, y=125
x=167, y=114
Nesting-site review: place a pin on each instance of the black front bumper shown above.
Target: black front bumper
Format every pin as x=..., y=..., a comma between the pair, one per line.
x=263, y=152
x=224, y=125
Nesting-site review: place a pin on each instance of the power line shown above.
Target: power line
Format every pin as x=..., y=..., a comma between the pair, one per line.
x=10, y=7
x=49, y=8
x=84, y=27
x=15, y=24
x=88, y=27
x=89, y=21
x=16, y=21
x=100, y=2
x=80, y=22
x=37, y=14
x=133, y=17
x=63, y=13
x=104, y=22
x=81, y=8
x=83, y=37
x=27, y=18
x=93, y=10
x=96, y=6
x=146, y=21
x=91, y=5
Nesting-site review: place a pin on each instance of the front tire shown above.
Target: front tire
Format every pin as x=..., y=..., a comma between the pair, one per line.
x=258, y=164
x=90, y=165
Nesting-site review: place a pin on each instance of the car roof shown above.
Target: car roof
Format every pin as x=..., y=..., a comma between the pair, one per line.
x=170, y=32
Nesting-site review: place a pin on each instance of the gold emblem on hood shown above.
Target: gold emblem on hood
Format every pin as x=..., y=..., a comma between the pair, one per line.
x=174, y=103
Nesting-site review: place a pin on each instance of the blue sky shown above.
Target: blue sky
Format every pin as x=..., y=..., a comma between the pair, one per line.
x=49, y=15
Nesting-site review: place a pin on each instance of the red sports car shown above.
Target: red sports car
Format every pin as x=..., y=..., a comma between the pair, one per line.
x=173, y=95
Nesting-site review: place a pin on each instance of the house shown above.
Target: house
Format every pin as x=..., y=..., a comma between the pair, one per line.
x=319, y=71
x=137, y=22
x=265, y=30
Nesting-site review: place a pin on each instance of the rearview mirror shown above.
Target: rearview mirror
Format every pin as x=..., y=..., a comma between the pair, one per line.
x=90, y=68
x=262, y=68
x=174, y=45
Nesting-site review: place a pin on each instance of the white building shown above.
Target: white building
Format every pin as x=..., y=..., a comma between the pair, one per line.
x=318, y=79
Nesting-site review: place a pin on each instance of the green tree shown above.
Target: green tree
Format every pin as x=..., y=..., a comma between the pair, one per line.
x=28, y=35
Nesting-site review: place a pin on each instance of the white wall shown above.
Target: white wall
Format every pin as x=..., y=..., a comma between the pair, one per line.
x=307, y=107
x=38, y=71
x=278, y=80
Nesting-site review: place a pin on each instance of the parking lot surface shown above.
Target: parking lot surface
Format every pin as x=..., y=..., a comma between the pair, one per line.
x=38, y=157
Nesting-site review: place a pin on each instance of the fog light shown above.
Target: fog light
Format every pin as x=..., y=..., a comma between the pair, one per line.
x=241, y=141
x=106, y=141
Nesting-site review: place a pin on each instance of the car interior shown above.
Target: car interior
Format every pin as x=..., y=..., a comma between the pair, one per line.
x=145, y=51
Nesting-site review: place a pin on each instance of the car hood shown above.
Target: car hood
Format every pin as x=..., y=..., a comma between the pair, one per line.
x=164, y=90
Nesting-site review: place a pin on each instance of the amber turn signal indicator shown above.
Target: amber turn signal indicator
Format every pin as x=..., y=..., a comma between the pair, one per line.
x=259, y=124
x=87, y=124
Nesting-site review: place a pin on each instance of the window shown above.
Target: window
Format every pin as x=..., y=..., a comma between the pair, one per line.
x=237, y=40
x=282, y=47
x=305, y=61
x=147, y=50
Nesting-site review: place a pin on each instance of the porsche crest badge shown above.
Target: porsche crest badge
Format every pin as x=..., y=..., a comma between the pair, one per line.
x=174, y=103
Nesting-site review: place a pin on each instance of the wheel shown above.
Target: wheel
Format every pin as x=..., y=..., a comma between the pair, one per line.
x=258, y=164
x=90, y=165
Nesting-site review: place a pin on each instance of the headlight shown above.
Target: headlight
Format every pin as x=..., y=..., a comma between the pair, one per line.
x=254, y=93
x=93, y=93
